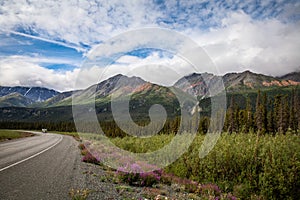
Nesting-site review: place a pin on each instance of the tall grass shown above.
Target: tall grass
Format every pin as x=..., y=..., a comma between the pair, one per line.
x=247, y=167
x=10, y=134
x=73, y=134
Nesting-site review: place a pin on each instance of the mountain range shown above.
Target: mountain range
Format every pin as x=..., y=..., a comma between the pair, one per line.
x=25, y=104
x=23, y=96
x=193, y=84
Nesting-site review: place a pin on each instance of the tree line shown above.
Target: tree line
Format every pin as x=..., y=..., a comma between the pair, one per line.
x=272, y=115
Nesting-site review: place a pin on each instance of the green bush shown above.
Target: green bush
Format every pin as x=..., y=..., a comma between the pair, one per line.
x=242, y=164
x=135, y=176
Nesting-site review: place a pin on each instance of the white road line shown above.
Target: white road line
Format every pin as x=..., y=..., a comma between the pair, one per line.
x=14, y=164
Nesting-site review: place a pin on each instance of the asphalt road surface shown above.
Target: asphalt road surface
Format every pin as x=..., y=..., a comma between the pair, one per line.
x=39, y=167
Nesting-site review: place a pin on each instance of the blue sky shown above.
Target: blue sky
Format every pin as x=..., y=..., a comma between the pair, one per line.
x=46, y=43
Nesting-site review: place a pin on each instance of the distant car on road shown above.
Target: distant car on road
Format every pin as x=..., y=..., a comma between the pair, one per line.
x=44, y=130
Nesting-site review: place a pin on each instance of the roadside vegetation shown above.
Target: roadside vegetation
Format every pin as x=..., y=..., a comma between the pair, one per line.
x=10, y=134
x=75, y=135
x=79, y=194
x=241, y=166
x=257, y=156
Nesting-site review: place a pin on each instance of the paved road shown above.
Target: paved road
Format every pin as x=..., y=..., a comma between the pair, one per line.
x=40, y=167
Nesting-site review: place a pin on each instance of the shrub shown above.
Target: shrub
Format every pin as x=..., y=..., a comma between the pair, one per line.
x=267, y=167
x=137, y=177
x=81, y=146
x=81, y=194
x=89, y=158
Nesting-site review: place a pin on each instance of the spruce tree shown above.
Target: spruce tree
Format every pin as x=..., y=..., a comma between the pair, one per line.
x=278, y=115
x=258, y=113
x=285, y=113
x=293, y=121
x=249, y=121
x=264, y=111
x=231, y=116
x=271, y=128
x=242, y=118
x=238, y=123
x=297, y=110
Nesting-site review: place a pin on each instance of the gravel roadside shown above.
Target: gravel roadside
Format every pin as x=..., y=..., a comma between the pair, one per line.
x=100, y=183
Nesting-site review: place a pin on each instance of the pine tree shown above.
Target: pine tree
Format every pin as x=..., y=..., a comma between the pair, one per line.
x=285, y=113
x=238, y=123
x=278, y=115
x=204, y=125
x=258, y=113
x=243, y=121
x=293, y=121
x=297, y=110
x=297, y=105
x=231, y=116
x=249, y=121
x=271, y=128
x=264, y=111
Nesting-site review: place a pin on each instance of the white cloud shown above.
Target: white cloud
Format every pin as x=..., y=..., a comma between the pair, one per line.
x=93, y=21
x=16, y=72
x=37, y=59
x=76, y=21
x=265, y=46
x=153, y=68
x=243, y=36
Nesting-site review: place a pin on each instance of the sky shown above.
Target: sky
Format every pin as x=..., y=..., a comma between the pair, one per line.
x=47, y=43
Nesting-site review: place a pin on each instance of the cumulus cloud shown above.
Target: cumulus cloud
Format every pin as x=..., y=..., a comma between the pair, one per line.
x=154, y=68
x=264, y=46
x=16, y=72
x=237, y=35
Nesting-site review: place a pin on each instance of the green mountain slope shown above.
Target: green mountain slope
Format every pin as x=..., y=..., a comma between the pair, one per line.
x=15, y=100
x=240, y=97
